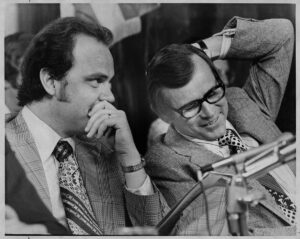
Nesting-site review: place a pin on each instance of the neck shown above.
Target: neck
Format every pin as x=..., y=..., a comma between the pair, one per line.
x=45, y=112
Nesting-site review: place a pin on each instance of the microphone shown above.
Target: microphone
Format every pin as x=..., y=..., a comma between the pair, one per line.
x=284, y=139
x=260, y=165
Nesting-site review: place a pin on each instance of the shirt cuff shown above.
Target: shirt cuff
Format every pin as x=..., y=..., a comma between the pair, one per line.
x=227, y=34
x=145, y=189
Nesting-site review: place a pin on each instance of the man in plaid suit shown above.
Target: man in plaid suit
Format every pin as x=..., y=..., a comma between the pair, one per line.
x=186, y=92
x=66, y=95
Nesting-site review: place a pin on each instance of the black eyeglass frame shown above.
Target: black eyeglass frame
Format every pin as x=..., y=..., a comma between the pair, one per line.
x=220, y=83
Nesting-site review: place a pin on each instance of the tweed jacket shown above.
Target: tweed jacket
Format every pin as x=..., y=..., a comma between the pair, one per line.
x=173, y=161
x=113, y=205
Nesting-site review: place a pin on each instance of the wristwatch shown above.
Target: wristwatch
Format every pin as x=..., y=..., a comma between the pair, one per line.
x=134, y=168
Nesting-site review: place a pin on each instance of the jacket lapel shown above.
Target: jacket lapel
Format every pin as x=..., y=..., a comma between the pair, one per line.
x=23, y=145
x=197, y=154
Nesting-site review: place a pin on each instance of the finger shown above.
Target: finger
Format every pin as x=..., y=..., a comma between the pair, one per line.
x=109, y=122
x=95, y=117
x=101, y=105
x=10, y=213
x=103, y=128
x=96, y=124
x=108, y=125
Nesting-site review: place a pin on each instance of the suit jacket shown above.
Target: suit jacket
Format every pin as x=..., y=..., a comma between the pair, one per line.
x=173, y=161
x=23, y=198
x=113, y=206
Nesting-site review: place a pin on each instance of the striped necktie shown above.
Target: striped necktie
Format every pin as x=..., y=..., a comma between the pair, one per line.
x=282, y=200
x=79, y=213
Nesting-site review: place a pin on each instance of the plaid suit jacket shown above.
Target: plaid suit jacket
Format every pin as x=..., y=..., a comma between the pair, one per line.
x=114, y=206
x=173, y=161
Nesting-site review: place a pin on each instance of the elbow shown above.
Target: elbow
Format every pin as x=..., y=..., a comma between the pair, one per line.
x=282, y=34
x=286, y=30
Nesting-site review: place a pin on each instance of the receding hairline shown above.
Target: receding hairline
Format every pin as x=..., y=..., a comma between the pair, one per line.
x=105, y=52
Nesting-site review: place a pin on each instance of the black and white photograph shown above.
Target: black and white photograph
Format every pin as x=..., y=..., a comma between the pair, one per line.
x=149, y=118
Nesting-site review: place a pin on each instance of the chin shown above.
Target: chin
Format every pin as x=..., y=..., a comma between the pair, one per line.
x=214, y=135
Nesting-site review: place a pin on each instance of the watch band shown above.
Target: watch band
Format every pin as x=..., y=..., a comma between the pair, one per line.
x=134, y=168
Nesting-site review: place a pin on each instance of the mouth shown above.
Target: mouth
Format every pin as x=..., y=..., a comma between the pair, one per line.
x=212, y=122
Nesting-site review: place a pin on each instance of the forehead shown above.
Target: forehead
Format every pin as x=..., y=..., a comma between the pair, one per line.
x=202, y=80
x=92, y=56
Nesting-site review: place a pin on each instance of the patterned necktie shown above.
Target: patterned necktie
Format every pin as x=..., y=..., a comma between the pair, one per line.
x=79, y=213
x=286, y=205
x=234, y=143
x=283, y=201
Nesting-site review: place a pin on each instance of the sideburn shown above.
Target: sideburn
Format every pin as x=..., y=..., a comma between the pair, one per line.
x=62, y=95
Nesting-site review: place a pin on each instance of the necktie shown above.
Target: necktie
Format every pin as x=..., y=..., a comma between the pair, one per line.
x=234, y=143
x=282, y=200
x=79, y=213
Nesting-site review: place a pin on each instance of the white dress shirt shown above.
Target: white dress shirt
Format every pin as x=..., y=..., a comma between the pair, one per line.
x=46, y=139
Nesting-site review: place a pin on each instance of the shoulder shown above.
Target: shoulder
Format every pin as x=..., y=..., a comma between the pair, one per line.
x=160, y=153
x=164, y=161
x=10, y=120
x=15, y=128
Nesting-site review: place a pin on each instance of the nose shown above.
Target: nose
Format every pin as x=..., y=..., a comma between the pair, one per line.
x=106, y=94
x=207, y=110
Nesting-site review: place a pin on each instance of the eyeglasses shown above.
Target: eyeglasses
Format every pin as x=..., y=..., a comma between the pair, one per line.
x=214, y=95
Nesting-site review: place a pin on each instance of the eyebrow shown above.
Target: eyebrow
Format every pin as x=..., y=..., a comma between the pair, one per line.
x=96, y=76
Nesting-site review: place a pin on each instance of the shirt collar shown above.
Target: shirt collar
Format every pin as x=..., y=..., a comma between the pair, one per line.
x=44, y=136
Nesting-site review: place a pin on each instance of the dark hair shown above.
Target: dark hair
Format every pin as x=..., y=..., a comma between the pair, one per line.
x=172, y=67
x=15, y=46
x=52, y=49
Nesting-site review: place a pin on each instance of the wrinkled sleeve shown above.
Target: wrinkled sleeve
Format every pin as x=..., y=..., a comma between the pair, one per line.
x=269, y=45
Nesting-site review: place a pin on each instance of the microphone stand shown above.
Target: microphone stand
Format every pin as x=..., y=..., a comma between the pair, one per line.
x=237, y=195
x=236, y=209
x=238, y=200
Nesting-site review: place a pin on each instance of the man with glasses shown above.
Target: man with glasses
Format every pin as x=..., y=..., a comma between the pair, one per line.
x=207, y=124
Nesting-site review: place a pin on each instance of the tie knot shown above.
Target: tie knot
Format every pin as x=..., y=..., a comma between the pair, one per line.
x=227, y=138
x=233, y=141
x=62, y=150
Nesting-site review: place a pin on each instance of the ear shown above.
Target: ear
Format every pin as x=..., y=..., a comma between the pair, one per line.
x=47, y=81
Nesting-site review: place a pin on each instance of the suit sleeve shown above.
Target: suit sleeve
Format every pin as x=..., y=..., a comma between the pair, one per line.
x=146, y=210
x=269, y=45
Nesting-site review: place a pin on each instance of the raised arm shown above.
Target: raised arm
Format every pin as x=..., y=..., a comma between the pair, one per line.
x=269, y=44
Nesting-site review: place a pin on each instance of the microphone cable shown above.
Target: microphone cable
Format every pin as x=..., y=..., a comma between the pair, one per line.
x=206, y=209
x=166, y=225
